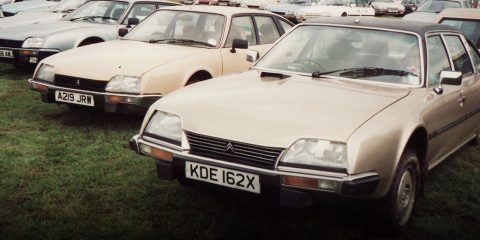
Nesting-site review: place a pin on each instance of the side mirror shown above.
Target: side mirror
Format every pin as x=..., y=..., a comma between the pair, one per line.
x=252, y=55
x=353, y=5
x=122, y=32
x=132, y=22
x=238, y=43
x=448, y=78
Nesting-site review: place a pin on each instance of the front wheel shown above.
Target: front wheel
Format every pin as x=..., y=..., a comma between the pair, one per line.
x=398, y=207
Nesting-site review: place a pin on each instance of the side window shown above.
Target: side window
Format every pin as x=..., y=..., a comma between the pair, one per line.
x=140, y=11
x=360, y=3
x=242, y=28
x=267, y=30
x=437, y=59
x=460, y=58
x=286, y=27
x=475, y=56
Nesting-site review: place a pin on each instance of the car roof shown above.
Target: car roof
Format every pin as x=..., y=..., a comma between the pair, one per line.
x=462, y=13
x=402, y=25
x=217, y=9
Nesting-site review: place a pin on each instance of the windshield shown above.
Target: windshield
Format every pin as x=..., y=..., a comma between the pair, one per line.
x=302, y=2
x=471, y=28
x=67, y=6
x=180, y=27
x=374, y=55
x=437, y=6
x=333, y=2
x=99, y=12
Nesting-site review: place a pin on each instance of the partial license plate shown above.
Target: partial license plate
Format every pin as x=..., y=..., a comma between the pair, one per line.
x=75, y=98
x=6, y=54
x=222, y=4
x=392, y=10
x=222, y=176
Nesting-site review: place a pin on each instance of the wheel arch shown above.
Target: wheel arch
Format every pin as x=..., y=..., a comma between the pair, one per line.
x=90, y=40
x=198, y=75
x=418, y=142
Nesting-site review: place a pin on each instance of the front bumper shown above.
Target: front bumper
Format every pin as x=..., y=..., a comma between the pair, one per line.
x=347, y=186
x=27, y=56
x=124, y=103
x=389, y=12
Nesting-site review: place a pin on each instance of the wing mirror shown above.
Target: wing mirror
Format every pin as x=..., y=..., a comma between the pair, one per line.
x=252, y=55
x=238, y=43
x=122, y=32
x=132, y=22
x=448, y=78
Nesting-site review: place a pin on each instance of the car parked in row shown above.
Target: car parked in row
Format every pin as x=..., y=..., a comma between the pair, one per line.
x=54, y=14
x=429, y=9
x=335, y=8
x=411, y=5
x=337, y=108
x=388, y=7
x=94, y=22
x=27, y=5
x=467, y=20
x=287, y=8
x=174, y=47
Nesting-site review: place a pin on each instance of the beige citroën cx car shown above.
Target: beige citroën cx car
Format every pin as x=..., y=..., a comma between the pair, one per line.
x=174, y=47
x=339, y=107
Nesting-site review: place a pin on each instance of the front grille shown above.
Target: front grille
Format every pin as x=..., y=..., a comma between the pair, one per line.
x=232, y=151
x=10, y=43
x=80, y=83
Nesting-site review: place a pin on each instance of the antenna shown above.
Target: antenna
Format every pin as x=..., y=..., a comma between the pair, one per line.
x=358, y=19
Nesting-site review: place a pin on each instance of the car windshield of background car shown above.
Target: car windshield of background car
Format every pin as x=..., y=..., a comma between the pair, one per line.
x=436, y=6
x=67, y=6
x=471, y=28
x=180, y=27
x=300, y=2
x=354, y=53
x=333, y=3
x=99, y=12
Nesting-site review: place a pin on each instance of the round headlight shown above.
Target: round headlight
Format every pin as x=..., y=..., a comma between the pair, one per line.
x=165, y=126
x=124, y=84
x=33, y=42
x=45, y=72
x=316, y=152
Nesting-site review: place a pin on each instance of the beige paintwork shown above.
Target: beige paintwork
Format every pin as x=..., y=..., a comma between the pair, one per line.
x=163, y=67
x=459, y=13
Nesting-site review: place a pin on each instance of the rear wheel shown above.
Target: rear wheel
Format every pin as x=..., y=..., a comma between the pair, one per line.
x=398, y=207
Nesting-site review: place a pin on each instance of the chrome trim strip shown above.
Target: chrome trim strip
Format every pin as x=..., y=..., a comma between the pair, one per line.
x=30, y=81
x=31, y=49
x=306, y=173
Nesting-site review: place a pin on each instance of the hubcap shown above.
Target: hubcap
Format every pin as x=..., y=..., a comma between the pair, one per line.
x=405, y=197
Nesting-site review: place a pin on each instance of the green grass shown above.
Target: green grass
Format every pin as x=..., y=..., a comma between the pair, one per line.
x=68, y=174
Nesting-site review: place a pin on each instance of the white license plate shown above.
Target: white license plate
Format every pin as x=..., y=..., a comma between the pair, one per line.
x=222, y=176
x=6, y=54
x=75, y=98
x=222, y=4
x=392, y=10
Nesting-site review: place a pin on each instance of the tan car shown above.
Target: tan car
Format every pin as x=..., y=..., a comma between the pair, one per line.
x=339, y=107
x=465, y=19
x=174, y=47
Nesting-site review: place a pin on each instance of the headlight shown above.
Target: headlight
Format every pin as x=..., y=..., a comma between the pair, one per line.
x=317, y=152
x=166, y=126
x=45, y=72
x=124, y=84
x=33, y=42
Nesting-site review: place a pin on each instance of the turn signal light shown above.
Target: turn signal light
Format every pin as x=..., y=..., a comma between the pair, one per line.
x=157, y=152
x=40, y=87
x=327, y=185
x=119, y=99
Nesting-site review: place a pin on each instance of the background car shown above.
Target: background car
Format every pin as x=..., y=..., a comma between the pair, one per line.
x=335, y=8
x=19, y=6
x=411, y=5
x=174, y=47
x=339, y=108
x=287, y=8
x=257, y=4
x=388, y=7
x=467, y=20
x=94, y=22
x=55, y=13
x=428, y=9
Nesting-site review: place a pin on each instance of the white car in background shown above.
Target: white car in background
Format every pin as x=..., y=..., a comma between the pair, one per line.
x=257, y=4
x=335, y=8
x=388, y=7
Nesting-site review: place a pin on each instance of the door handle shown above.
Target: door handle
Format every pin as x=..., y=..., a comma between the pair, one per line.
x=461, y=99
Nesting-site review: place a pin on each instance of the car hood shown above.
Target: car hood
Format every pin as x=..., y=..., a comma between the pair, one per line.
x=135, y=58
x=420, y=16
x=29, y=18
x=284, y=7
x=27, y=5
x=276, y=112
x=40, y=30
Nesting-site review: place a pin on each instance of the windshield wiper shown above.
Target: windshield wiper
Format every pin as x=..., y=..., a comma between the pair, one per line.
x=369, y=71
x=93, y=17
x=172, y=40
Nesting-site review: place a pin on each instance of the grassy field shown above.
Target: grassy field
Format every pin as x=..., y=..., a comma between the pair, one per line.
x=68, y=174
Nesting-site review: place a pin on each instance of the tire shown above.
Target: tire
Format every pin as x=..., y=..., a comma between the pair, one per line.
x=398, y=207
x=344, y=14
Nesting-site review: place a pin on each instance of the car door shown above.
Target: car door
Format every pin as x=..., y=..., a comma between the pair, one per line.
x=259, y=30
x=444, y=134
